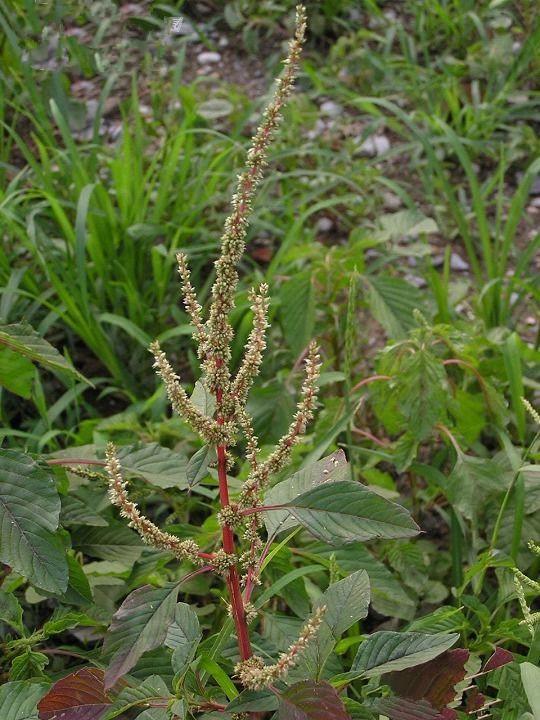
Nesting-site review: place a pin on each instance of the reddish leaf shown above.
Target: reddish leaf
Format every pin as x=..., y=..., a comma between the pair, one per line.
x=499, y=658
x=448, y=714
x=81, y=696
x=309, y=700
x=475, y=700
x=433, y=681
x=397, y=708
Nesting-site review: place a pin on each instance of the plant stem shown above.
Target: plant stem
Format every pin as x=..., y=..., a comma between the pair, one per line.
x=233, y=581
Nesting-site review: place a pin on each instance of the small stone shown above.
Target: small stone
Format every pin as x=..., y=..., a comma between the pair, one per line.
x=418, y=282
x=457, y=263
x=533, y=210
x=320, y=127
x=535, y=202
x=324, y=224
x=115, y=130
x=331, y=108
x=208, y=57
x=391, y=201
x=223, y=41
x=374, y=146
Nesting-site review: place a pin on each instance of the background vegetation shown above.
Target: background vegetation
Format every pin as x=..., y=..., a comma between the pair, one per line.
x=399, y=225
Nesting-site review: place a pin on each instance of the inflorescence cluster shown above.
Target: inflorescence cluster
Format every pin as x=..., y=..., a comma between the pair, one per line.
x=213, y=337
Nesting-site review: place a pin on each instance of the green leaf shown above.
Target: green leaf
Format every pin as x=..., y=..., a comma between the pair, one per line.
x=253, y=701
x=346, y=602
x=151, y=688
x=23, y=339
x=271, y=409
x=28, y=665
x=511, y=352
x=16, y=373
x=330, y=469
x=128, y=326
x=64, y=619
x=156, y=464
x=18, y=700
x=420, y=392
x=297, y=311
x=11, y=611
x=203, y=400
x=197, y=467
x=530, y=677
x=78, y=591
x=406, y=223
x=346, y=511
x=29, y=515
x=183, y=637
x=471, y=482
x=387, y=595
x=219, y=675
x=387, y=651
x=139, y=625
x=310, y=700
x=78, y=512
x=392, y=301
x=116, y=543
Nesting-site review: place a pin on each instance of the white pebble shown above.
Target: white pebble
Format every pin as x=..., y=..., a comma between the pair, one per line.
x=331, y=108
x=391, y=201
x=324, y=224
x=209, y=57
x=375, y=145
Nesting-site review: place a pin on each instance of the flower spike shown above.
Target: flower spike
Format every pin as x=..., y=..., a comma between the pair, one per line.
x=254, y=674
x=150, y=533
x=234, y=236
x=191, y=303
x=204, y=425
x=255, y=346
x=304, y=414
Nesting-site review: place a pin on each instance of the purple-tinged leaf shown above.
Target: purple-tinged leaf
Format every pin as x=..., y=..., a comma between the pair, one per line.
x=499, y=658
x=433, y=681
x=398, y=708
x=310, y=700
x=78, y=696
x=82, y=712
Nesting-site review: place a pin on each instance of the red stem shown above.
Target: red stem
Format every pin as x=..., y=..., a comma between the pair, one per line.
x=261, y=508
x=233, y=580
x=368, y=380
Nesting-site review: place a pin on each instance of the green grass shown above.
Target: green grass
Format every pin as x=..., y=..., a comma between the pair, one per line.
x=425, y=367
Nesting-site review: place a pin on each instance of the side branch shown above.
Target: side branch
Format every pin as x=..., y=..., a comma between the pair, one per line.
x=149, y=532
x=191, y=303
x=304, y=414
x=207, y=427
x=255, y=346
